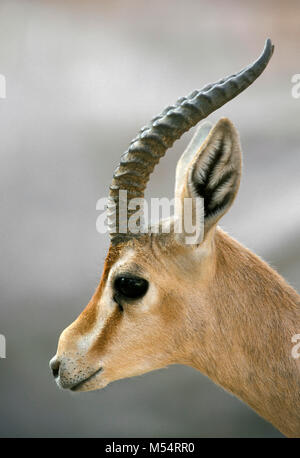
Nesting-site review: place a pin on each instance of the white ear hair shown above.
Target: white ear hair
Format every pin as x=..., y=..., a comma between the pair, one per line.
x=191, y=150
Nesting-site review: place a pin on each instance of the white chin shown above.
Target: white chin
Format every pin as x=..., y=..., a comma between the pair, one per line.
x=90, y=386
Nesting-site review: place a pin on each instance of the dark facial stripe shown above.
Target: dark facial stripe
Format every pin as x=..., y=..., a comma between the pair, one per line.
x=107, y=333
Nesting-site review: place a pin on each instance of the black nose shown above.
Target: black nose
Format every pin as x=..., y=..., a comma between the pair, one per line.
x=54, y=366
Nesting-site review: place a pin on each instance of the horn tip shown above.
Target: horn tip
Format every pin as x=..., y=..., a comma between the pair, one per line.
x=269, y=45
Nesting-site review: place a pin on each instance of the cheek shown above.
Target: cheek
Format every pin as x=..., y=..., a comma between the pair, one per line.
x=135, y=350
x=140, y=336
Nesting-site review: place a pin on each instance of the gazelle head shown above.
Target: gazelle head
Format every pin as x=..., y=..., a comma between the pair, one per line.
x=153, y=302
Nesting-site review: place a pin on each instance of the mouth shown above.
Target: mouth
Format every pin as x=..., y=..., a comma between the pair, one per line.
x=79, y=385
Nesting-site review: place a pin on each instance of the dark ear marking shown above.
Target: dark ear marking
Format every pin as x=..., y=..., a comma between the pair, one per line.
x=216, y=172
x=208, y=192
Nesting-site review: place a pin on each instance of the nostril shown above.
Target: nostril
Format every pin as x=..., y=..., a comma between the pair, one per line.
x=54, y=365
x=55, y=371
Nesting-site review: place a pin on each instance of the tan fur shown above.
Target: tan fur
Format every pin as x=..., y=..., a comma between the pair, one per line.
x=215, y=306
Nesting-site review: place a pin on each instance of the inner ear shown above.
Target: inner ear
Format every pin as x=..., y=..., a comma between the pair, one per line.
x=214, y=174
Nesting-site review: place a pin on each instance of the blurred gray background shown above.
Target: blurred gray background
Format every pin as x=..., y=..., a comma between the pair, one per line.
x=82, y=78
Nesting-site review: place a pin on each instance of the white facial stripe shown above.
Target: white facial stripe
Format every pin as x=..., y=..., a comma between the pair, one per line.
x=105, y=304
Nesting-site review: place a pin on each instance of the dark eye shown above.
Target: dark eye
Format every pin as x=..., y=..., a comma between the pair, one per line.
x=131, y=287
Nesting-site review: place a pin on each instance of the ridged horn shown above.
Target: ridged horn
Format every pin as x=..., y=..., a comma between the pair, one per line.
x=153, y=140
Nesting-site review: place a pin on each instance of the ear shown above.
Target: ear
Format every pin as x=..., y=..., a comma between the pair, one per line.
x=212, y=174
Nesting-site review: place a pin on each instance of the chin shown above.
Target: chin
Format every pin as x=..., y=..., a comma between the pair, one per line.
x=90, y=385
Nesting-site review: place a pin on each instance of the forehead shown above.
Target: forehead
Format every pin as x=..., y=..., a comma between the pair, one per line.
x=127, y=262
x=142, y=257
x=135, y=256
x=129, y=257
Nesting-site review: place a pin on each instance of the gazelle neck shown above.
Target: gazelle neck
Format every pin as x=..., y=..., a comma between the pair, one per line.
x=254, y=314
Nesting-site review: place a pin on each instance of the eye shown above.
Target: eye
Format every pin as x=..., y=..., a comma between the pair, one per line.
x=131, y=287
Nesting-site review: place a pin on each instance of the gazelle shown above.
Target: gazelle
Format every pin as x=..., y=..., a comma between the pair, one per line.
x=212, y=305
